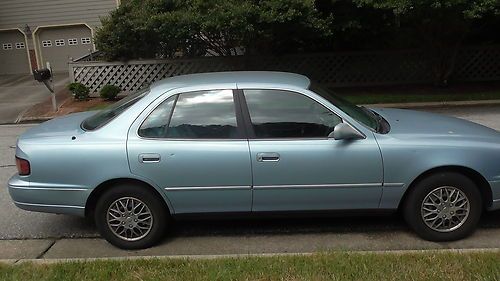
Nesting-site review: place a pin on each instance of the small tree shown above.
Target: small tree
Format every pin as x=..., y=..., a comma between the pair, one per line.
x=163, y=29
x=80, y=92
x=109, y=92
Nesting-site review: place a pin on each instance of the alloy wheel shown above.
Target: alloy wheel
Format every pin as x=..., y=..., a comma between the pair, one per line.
x=129, y=218
x=445, y=209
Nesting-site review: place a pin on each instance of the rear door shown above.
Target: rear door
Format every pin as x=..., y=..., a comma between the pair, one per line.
x=192, y=145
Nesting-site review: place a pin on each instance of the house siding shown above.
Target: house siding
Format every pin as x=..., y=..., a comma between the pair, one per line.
x=18, y=13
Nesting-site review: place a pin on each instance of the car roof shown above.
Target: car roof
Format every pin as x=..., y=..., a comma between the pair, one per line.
x=236, y=77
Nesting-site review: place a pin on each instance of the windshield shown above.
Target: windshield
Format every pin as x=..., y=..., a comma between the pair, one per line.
x=104, y=116
x=361, y=114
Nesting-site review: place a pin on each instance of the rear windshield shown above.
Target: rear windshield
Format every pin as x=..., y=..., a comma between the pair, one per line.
x=106, y=115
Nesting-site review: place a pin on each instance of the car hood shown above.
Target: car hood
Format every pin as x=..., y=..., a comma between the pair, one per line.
x=68, y=125
x=419, y=123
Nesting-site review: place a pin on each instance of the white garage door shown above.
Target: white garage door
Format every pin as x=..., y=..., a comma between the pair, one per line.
x=58, y=45
x=13, y=54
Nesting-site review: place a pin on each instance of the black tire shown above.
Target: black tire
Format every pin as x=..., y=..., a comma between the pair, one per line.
x=157, y=208
x=413, y=206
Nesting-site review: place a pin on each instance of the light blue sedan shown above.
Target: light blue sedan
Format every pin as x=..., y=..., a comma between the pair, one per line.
x=255, y=143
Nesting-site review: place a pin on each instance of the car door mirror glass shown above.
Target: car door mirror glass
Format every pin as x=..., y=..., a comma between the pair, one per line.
x=344, y=131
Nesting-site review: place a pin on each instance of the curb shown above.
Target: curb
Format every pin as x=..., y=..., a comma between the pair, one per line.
x=20, y=116
x=8, y=261
x=435, y=104
x=240, y=256
x=24, y=124
x=34, y=119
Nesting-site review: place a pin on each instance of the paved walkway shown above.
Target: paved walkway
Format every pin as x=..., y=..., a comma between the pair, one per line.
x=15, y=250
x=20, y=92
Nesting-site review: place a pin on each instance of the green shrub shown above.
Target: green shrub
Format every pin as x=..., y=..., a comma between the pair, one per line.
x=109, y=92
x=80, y=92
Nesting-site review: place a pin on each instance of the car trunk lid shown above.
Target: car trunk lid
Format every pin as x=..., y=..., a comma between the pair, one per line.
x=68, y=125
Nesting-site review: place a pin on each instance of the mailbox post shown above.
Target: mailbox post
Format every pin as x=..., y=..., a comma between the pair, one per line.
x=45, y=76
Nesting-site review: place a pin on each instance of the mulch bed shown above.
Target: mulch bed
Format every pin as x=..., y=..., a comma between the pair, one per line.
x=66, y=105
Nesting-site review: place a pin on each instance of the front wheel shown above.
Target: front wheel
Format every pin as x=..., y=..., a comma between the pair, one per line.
x=443, y=207
x=131, y=217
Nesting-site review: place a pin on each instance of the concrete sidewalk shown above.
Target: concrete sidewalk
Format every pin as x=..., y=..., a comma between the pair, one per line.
x=18, y=93
x=38, y=249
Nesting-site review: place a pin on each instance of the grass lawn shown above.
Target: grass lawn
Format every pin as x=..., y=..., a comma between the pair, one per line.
x=404, y=94
x=328, y=266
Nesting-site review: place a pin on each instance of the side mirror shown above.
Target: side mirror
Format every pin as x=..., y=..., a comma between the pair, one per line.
x=343, y=131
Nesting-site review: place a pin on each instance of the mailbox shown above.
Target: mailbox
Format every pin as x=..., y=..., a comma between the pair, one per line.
x=42, y=75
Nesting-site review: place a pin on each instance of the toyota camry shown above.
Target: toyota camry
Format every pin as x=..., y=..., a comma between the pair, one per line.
x=255, y=143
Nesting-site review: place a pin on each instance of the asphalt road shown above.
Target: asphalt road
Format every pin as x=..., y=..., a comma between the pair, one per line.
x=20, y=92
x=18, y=224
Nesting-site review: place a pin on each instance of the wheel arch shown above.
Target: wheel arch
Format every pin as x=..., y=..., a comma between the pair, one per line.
x=102, y=187
x=475, y=176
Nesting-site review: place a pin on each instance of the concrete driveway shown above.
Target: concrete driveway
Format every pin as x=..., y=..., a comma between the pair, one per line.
x=20, y=92
x=56, y=236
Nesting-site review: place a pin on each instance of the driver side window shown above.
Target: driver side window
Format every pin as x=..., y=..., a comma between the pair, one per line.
x=285, y=114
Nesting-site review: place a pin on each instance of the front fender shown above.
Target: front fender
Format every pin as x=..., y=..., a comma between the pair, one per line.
x=405, y=160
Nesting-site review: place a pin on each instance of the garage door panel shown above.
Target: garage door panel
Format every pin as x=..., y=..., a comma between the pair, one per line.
x=13, y=54
x=58, y=45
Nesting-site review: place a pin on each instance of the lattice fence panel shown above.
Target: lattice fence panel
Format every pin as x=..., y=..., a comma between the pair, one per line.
x=334, y=69
x=477, y=64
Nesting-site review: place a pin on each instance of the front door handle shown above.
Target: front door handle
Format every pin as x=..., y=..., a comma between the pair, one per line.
x=149, y=158
x=268, y=157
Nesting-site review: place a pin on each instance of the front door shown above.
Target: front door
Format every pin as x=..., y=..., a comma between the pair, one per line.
x=296, y=167
x=192, y=146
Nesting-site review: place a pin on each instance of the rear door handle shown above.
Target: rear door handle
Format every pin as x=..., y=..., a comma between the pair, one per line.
x=149, y=158
x=268, y=157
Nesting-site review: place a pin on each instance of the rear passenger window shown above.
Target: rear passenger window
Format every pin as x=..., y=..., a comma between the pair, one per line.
x=195, y=115
x=204, y=115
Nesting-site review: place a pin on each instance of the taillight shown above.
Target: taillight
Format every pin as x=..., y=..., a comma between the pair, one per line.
x=23, y=166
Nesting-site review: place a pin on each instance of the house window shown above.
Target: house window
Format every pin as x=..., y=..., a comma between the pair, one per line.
x=20, y=45
x=72, y=41
x=60, y=42
x=86, y=41
x=7, y=46
x=46, y=43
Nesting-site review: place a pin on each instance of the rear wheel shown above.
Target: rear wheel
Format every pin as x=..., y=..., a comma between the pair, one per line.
x=443, y=207
x=131, y=217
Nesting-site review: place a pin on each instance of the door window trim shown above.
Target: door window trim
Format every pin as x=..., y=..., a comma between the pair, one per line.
x=242, y=134
x=248, y=120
